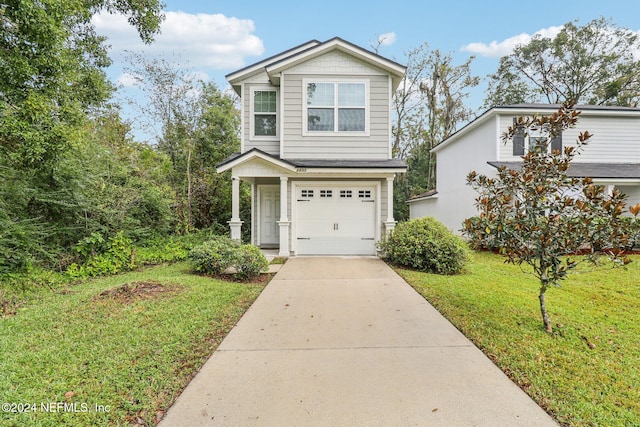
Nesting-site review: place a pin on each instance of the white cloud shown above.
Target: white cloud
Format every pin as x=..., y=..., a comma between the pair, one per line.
x=126, y=80
x=202, y=40
x=497, y=49
x=387, y=39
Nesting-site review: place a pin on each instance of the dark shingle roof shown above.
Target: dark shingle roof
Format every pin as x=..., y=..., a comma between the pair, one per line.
x=325, y=163
x=593, y=170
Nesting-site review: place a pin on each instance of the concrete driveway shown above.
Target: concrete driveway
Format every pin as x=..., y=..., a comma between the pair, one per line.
x=347, y=342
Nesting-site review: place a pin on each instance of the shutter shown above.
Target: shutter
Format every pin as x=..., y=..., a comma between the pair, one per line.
x=556, y=143
x=518, y=140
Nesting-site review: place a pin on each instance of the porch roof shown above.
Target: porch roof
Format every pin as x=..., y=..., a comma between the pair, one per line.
x=294, y=164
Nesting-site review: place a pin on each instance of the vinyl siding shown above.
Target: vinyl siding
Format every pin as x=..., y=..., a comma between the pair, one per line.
x=336, y=66
x=268, y=146
x=615, y=139
x=455, y=201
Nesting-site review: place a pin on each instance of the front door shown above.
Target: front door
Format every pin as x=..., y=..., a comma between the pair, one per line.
x=269, y=215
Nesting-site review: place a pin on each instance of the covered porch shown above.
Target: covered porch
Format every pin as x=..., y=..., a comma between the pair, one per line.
x=314, y=207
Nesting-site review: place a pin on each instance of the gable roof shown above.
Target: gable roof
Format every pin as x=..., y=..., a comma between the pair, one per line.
x=530, y=109
x=276, y=64
x=237, y=76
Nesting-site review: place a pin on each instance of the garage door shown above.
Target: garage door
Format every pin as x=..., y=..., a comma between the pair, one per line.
x=335, y=220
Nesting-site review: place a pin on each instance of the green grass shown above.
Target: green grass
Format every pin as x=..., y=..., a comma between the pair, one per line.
x=132, y=355
x=496, y=306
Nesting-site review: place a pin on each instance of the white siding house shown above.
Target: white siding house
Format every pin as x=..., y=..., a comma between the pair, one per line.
x=316, y=149
x=611, y=158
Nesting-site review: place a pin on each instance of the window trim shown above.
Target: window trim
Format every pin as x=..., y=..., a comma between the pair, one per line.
x=336, y=82
x=252, y=114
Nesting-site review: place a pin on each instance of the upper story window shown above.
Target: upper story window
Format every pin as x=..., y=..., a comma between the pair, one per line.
x=264, y=106
x=336, y=106
x=534, y=140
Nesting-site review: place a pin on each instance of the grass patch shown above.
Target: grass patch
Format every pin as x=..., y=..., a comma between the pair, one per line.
x=587, y=373
x=278, y=260
x=129, y=342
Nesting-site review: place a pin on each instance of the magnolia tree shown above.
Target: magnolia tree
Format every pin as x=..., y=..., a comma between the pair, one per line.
x=540, y=216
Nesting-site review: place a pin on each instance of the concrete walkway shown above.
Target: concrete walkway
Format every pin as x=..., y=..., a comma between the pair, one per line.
x=347, y=342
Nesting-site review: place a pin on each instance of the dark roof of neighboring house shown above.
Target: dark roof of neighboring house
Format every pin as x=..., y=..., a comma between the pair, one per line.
x=424, y=195
x=324, y=163
x=592, y=170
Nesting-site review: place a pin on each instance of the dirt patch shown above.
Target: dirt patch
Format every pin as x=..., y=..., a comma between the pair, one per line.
x=135, y=291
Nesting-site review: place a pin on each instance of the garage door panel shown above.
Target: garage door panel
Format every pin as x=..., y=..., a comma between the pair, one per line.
x=335, y=219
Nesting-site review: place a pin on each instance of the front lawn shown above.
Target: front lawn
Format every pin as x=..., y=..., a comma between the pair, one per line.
x=588, y=372
x=101, y=353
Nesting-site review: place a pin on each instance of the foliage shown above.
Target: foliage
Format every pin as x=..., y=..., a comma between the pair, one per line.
x=428, y=107
x=426, y=245
x=213, y=256
x=249, y=262
x=585, y=374
x=537, y=215
x=134, y=355
x=197, y=126
x=51, y=72
x=116, y=256
x=590, y=64
x=106, y=185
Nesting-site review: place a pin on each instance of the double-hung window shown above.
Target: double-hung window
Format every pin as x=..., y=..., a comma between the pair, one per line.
x=535, y=139
x=336, y=106
x=264, y=106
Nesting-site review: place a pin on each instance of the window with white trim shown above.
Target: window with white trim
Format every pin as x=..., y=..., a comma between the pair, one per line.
x=264, y=109
x=346, y=194
x=336, y=106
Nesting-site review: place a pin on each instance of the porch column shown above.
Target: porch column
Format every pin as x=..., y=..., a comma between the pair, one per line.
x=390, y=223
x=284, y=222
x=235, y=224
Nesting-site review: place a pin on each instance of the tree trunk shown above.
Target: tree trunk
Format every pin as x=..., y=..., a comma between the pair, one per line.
x=543, y=309
x=189, y=192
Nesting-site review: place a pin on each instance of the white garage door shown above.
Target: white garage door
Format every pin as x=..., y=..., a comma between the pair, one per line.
x=335, y=220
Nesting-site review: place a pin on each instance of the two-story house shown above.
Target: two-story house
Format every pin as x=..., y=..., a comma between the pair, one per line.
x=316, y=149
x=611, y=158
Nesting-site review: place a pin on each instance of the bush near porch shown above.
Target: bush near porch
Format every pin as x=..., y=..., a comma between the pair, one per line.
x=426, y=245
x=215, y=256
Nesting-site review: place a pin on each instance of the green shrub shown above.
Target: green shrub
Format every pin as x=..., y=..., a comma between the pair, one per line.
x=116, y=256
x=213, y=256
x=426, y=245
x=249, y=262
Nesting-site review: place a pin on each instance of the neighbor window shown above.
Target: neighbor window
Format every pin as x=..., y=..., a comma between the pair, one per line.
x=265, y=121
x=336, y=107
x=534, y=139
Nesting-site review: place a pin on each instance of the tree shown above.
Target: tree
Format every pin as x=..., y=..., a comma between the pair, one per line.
x=51, y=85
x=51, y=71
x=591, y=64
x=540, y=216
x=428, y=107
x=197, y=126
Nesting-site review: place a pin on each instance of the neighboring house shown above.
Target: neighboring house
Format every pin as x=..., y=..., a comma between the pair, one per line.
x=316, y=149
x=611, y=157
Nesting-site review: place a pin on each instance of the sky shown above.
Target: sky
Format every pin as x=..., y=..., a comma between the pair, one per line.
x=217, y=37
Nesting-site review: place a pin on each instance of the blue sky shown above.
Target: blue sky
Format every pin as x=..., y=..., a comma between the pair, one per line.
x=218, y=37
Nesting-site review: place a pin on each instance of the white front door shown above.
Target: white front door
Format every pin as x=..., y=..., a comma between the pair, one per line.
x=335, y=219
x=269, y=215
